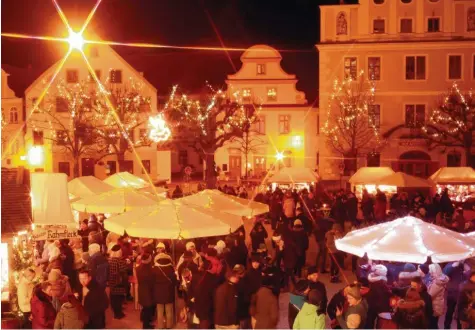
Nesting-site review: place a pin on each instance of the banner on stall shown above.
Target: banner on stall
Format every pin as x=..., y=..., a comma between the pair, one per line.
x=54, y=232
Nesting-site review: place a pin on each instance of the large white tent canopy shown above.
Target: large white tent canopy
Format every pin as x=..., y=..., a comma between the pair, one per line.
x=370, y=175
x=454, y=175
x=115, y=201
x=407, y=239
x=291, y=175
x=403, y=180
x=126, y=180
x=85, y=186
x=173, y=219
x=217, y=200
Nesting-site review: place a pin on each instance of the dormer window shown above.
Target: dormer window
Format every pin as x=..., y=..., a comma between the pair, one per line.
x=261, y=69
x=272, y=94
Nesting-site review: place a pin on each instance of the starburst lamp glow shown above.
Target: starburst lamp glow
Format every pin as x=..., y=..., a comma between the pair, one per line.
x=159, y=130
x=279, y=156
x=76, y=40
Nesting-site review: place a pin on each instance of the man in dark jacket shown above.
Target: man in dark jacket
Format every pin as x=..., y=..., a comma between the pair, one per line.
x=67, y=255
x=306, y=222
x=323, y=225
x=315, y=284
x=265, y=304
x=146, y=283
x=94, y=299
x=164, y=289
x=250, y=283
x=417, y=284
x=301, y=242
x=98, y=265
x=379, y=295
x=226, y=300
x=466, y=298
x=455, y=272
x=84, y=233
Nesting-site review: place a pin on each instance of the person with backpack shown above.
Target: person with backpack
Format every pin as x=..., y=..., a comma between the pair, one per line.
x=164, y=290
x=98, y=265
x=312, y=314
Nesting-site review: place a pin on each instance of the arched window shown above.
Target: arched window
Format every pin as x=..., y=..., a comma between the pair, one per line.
x=341, y=24
x=13, y=115
x=471, y=19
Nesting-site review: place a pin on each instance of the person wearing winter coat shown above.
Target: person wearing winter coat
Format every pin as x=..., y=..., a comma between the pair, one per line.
x=445, y=203
x=297, y=299
x=60, y=288
x=43, y=259
x=190, y=246
x=410, y=312
x=378, y=297
x=76, y=246
x=367, y=206
x=117, y=280
x=322, y=226
x=25, y=293
x=71, y=315
x=337, y=257
x=351, y=205
x=54, y=261
x=437, y=288
x=455, y=271
x=98, y=265
x=301, y=242
x=354, y=317
x=405, y=277
x=67, y=257
x=417, y=284
x=265, y=305
x=315, y=284
x=164, y=290
x=312, y=314
x=465, y=301
x=258, y=235
x=226, y=303
x=146, y=283
x=288, y=206
x=43, y=313
x=94, y=299
x=275, y=207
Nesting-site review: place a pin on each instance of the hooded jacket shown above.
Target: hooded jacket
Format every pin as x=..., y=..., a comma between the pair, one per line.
x=165, y=280
x=99, y=267
x=146, y=283
x=42, y=310
x=307, y=318
x=71, y=317
x=226, y=304
x=437, y=288
x=410, y=315
x=265, y=309
x=466, y=296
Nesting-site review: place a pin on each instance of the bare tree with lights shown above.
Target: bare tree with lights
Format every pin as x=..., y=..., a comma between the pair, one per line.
x=132, y=110
x=452, y=122
x=352, y=129
x=206, y=124
x=69, y=118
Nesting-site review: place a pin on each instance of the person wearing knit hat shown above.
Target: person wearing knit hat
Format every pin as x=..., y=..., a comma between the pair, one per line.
x=164, y=290
x=117, y=280
x=60, y=287
x=354, y=317
x=98, y=265
x=258, y=235
x=146, y=281
x=315, y=284
x=220, y=246
x=379, y=295
x=161, y=248
x=404, y=277
x=190, y=246
x=378, y=273
x=300, y=238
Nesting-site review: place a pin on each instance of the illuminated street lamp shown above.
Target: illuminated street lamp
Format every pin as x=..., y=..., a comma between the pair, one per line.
x=76, y=41
x=279, y=156
x=36, y=156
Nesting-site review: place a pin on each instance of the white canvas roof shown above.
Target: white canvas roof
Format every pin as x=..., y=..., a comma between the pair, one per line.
x=454, y=175
x=370, y=175
x=289, y=175
x=86, y=186
x=403, y=180
x=125, y=179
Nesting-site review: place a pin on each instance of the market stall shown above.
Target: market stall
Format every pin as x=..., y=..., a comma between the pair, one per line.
x=85, y=186
x=125, y=179
x=407, y=239
x=293, y=177
x=405, y=181
x=173, y=219
x=217, y=200
x=368, y=178
x=460, y=181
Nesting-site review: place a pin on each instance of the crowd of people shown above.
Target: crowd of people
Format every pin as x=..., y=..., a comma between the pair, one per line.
x=226, y=283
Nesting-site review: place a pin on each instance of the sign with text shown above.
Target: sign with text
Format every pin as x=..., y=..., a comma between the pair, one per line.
x=54, y=232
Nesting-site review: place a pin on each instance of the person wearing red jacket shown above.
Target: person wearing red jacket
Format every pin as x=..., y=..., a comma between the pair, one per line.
x=42, y=311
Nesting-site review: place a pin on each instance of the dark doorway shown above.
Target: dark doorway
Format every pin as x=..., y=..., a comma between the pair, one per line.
x=87, y=166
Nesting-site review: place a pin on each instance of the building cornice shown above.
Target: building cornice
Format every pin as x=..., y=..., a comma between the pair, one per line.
x=397, y=44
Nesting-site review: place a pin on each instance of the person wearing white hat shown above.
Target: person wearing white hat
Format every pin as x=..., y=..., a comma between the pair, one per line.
x=378, y=297
x=190, y=246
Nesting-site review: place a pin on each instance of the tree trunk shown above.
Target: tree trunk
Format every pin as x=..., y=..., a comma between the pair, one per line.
x=468, y=156
x=76, y=168
x=210, y=171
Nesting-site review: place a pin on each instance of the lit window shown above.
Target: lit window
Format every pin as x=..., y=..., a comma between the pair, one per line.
x=13, y=115
x=455, y=67
x=378, y=26
x=246, y=93
x=374, y=115
x=72, y=76
x=61, y=104
x=415, y=67
x=272, y=94
x=433, y=24
x=374, y=68
x=406, y=25
x=115, y=76
x=415, y=115
x=261, y=69
x=284, y=124
x=351, y=67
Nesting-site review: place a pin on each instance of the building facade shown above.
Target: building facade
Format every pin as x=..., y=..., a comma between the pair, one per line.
x=12, y=127
x=414, y=50
x=286, y=124
x=114, y=72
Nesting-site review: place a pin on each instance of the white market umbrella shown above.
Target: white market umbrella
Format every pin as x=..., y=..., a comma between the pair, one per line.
x=370, y=175
x=407, y=239
x=471, y=235
x=125, y=179
x=217, y=200
x=454, y=175
x=85, y=186
x=403, y=180
x=289, y=175
x=115, y=201
x=172, y=219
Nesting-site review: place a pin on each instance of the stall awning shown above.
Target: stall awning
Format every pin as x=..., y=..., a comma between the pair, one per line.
x=126, y=180
x=403, y=180
x=370, y=175
x=454, y=175
x=291, y=175
x=86, y=186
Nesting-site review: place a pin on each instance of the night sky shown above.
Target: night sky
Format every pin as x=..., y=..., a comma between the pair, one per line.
x=289, y=24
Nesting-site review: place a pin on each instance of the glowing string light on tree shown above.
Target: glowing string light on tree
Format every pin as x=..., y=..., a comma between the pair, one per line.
x=159, y=130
